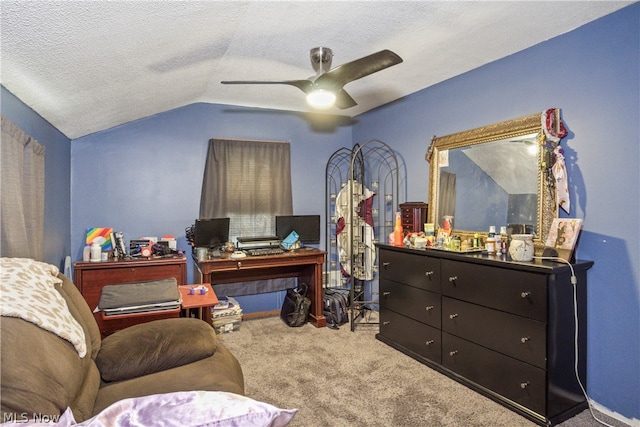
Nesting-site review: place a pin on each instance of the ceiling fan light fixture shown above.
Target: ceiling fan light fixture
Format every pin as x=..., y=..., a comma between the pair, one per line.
x=321, y=98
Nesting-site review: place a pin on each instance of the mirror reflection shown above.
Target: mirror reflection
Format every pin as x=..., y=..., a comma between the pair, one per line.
x=494, y=175
x=491, y=184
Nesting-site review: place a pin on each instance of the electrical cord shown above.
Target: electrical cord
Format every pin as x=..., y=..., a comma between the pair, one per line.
x=574, y=282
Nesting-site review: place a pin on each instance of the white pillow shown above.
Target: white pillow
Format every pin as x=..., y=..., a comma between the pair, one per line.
x=185, y=409
x=192, y=409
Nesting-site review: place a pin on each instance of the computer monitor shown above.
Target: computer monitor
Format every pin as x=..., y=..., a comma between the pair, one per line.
x=211, y=232
x=307, y=227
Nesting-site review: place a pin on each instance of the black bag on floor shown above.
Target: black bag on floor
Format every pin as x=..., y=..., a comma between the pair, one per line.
x=295, y=307
x=336, y=307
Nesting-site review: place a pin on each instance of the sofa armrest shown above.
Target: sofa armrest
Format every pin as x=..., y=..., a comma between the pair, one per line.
x=154, y=346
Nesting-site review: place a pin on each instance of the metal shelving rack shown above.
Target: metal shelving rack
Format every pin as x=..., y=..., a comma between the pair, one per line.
x=362, y=196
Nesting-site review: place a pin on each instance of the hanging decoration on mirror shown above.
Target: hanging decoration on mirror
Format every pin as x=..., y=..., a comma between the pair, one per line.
x=554, y=131
x=429, y=152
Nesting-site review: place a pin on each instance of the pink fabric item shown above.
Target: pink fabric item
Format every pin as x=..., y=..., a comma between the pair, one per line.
x=554, y=131
x=562, y=182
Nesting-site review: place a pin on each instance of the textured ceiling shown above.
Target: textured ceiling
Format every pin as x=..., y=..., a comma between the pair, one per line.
x=88, y=66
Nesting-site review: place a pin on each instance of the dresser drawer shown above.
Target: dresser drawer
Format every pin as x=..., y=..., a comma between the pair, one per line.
x=515, y=336
x=421, y=305
x=517, y=292
x=511, y=378
x=415, y=270
x=417, y=337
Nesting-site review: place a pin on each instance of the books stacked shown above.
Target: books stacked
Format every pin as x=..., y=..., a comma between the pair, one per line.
x=226, y=316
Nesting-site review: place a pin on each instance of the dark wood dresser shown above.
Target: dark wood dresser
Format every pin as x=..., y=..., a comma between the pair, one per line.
x=414, y=215
x=503, y=328
x=91, y=277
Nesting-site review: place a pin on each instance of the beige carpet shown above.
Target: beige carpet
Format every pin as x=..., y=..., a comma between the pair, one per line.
x=344, y=378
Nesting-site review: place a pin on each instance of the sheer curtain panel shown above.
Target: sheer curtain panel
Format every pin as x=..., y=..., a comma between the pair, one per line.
x=22, y=193
x=447, y=195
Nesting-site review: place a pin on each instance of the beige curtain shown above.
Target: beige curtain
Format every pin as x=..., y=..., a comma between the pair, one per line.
x=249, y=182
x=447, y=196
x=22, y=193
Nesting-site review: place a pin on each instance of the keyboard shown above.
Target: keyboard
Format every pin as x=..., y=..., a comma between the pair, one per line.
x=264, y=251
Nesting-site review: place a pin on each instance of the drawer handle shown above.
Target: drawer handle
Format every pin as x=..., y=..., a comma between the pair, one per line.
x=386, y=264
x=429, y=307
x=524, y=385
x=453, y=316
x=428, y=273
x=453, y=278
x=239, y=264
x=524, y=340
x=386, y=323
x=453, y=353
x=386, y=294
x=525, y=294
x=429, y=342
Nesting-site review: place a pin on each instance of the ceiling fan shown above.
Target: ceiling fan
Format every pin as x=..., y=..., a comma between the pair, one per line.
x=326, y=88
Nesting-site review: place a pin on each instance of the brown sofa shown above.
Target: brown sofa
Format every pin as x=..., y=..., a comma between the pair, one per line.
x=43, y=375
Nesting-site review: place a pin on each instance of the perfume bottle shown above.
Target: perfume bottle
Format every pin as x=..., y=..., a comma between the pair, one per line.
x=504, y=240
x=398, y=234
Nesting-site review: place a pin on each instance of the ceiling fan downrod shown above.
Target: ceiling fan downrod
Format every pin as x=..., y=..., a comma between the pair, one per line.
x=321, y=59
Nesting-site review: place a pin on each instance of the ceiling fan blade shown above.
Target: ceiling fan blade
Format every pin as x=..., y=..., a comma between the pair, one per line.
x=354, y=70
x=344, y=100
x=303, y=85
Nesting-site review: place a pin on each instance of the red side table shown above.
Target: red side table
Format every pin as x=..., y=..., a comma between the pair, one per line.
x=202, y=302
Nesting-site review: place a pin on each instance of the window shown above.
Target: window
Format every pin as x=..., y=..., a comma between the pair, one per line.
x=249, y=182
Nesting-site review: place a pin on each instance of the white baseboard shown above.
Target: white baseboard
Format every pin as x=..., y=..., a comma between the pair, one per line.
x=633, y=422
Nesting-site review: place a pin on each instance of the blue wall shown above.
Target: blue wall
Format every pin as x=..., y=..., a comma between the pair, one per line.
x=144, y=177
x=57, y=165
x=593, y=75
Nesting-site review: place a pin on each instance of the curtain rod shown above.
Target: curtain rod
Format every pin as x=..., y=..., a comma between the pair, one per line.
x=251, y=140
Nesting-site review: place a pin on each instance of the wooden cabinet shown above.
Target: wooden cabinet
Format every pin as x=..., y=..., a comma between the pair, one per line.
x=91, y=277
x=503, y=328
x=414, y=215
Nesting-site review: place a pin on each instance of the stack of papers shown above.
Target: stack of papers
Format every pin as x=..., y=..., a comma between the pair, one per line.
x=226, y=316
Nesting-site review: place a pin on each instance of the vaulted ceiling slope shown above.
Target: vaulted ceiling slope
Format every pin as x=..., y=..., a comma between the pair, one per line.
x=89, y=66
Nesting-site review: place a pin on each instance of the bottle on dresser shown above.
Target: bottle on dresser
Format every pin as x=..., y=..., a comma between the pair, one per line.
x=491, y=241
x=504, y=240
x=498, y=244
x=398, y=233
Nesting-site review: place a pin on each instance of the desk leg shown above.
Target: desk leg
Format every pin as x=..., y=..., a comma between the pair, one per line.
x=206, y=314
x=312, y=276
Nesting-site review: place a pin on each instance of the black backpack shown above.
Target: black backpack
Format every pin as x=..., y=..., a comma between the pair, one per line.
x=295, y=307
x=336, y=307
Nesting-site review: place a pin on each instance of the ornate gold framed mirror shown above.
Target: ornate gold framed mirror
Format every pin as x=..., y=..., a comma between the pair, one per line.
x=495, y=175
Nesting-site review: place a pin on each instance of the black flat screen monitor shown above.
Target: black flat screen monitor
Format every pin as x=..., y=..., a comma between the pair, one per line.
x=211, y=232
x=307, y=227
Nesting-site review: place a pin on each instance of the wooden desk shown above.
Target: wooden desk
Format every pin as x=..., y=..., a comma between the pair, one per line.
x=305, y=264
x=202, y=302
x=91, y=277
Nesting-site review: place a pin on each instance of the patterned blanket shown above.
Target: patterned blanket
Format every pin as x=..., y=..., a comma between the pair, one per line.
x=28, y=291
